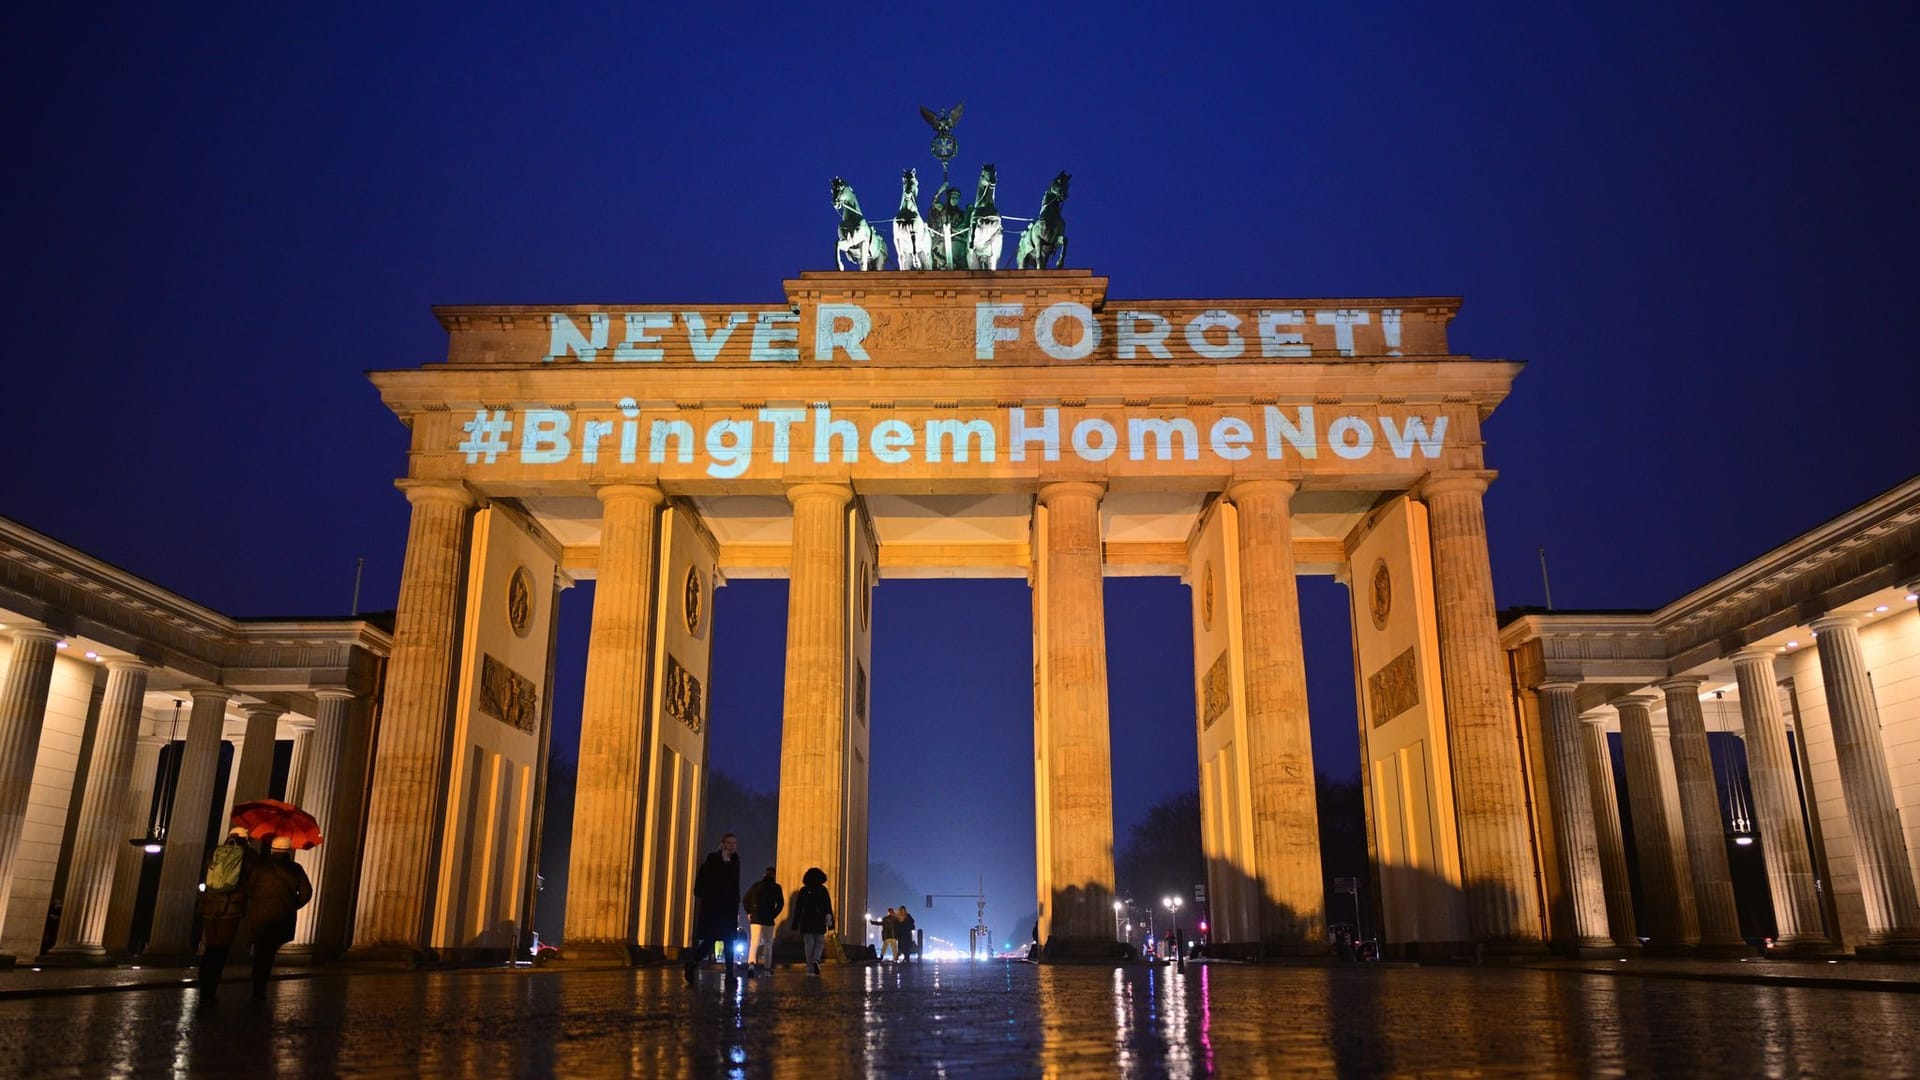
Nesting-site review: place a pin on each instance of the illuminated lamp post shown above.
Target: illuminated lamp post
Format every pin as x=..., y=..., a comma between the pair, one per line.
x=1179, y=949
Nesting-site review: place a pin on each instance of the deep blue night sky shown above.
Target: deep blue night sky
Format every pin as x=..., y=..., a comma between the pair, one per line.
x=1698, y=228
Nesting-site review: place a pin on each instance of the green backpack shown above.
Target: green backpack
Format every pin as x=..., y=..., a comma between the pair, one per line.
x=226, y=868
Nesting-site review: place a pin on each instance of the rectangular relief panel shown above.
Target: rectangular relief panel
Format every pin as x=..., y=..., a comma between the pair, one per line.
x=1403, y=734
x=496, y=737
x=679, y=701
x=1226, y=813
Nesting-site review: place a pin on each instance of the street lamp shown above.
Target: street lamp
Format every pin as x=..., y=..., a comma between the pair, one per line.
x=1179, y=951
x=1118, y=926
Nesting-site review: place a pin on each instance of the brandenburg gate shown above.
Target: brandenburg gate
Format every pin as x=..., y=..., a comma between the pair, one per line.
x=942, y=423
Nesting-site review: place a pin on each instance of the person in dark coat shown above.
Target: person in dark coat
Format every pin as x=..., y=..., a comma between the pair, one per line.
x=765, y=900
x=220, y=914
x=275, y=889
x=903, y=929
x=716, y=895
x=889, y=935
x=813, y=915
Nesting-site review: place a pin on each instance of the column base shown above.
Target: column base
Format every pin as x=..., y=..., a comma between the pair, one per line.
x=1896, y=949
x=1723, y=950
x=7, y=961
x=1668, y=950
x=77, y=956
x=606, y=954
x=1065, y=950
x=1592, y=949
x=389, y=956
x=1806, y=946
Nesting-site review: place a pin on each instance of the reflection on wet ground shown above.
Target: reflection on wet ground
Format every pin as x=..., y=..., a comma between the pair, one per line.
x=993, y=1019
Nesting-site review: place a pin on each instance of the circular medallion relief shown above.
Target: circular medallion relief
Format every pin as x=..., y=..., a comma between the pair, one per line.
x=1380, y=601
x=520, y=601
x=695, y=599
x=865, y=593
x=1206, y=598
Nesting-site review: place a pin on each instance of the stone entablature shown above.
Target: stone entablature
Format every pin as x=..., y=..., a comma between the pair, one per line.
x=75, y=593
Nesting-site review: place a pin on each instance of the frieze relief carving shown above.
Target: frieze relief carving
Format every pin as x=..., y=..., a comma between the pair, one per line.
x=1217, y=691
x=683, y=696
x=508, y=696
x=1393, y=689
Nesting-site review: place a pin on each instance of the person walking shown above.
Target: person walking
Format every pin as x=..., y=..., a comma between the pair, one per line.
x=889, y=935
x=223, y=901
x=276, y=889
x=903, y=930
x=813, y=915
x=764, y=902
x=716, y=894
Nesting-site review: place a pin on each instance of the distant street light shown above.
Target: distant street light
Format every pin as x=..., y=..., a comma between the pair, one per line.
x=1179, y=949
x=1119, y=927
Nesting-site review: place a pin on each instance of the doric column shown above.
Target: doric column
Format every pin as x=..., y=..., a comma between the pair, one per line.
x=1660, y=881
x=1496, y=850
x=319, y=793
x=813, y=749
x=1279, y=757
x=253, y=774
x=1070, y=599
x=404, y=808
x=1776, y=803
x=603, y=866
x=132, y=860
x=187, y=831
x=297, y=761
x=1573, y=830
x=106, y=814
x=23, y=711
x=1886, y=875
x=1606, y=830
x=1700, y=815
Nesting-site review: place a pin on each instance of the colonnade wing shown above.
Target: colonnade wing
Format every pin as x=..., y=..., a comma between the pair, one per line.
x=676, y=746
x=502, y=703
x=1403, y=727
x=1226, y=812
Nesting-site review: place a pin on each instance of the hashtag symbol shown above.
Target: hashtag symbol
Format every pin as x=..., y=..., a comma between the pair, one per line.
x=486, y=435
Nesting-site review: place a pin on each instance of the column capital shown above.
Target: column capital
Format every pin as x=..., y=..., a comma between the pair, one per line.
x=1835, y=621
x=262, y=708
x=1241, y=489
x=1569, y=685
x=1752, y=656
x=840, y=493
x=302, y=723
x=128, y=663
x=35, y=633
x=1069, y=489
x=212, y=693
x=1596, y=717
x=1464, y=481
x=1682, y=684
x=333, y=693
x=1639, y=699
x=608, y=491
x=418, y=491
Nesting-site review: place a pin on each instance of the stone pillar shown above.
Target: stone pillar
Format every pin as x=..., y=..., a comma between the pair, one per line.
x=1662, y=918
x=1496, y=849
x=297, y=761
x=131, y=860
x=253, y=774
x=1070, y=599
x=1279, y=753
x=319, y=796
x=1573, y=830
x=404, y=808
x=106, y=815
x=1606, y=831
x=1776, y=805
x=603, y=870
x=813, y=749
x=1886, y=875
x=23, y=711
x=182, y=863
x=1700, y=815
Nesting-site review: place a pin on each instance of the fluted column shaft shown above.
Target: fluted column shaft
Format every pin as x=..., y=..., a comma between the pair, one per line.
x=132, y=860
x=603, y=872
x=813, y=745
x=1606, y=832
x=319, y=796
x=1279, y=754
x=23, y=712
x=1700, y=815
x=404, y=809
x=1079, y=762
x=106, y=814
x=297, y=761
x=1573, y=829
x=1776, y=802
x=1661, y=919
x=187, y=830
x=1496, y=850
x=1886, y=874
x=253, y=773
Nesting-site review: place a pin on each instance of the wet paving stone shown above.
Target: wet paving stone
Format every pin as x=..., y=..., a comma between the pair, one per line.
x=963, y=1020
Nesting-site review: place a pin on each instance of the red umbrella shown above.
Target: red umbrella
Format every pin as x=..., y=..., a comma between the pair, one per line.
x=271, y=817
